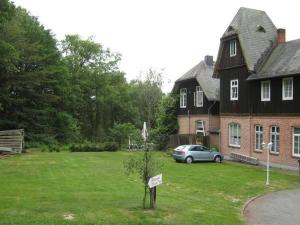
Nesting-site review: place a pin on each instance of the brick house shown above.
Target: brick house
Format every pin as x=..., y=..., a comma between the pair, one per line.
x=198, y=105
x=259, y=74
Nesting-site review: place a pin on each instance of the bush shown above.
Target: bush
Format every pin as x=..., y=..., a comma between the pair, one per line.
x=86, y=147
x=111, y=146
x=94, y=147
x=53, y=148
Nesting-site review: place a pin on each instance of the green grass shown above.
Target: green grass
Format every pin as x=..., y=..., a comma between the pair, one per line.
x=39, y=188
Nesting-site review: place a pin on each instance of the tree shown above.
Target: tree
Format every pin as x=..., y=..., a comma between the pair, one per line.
x=31, y=78
x=98, y=94
x=121, y=132
x=147, y=94
x=166, y=121
x=146, y=166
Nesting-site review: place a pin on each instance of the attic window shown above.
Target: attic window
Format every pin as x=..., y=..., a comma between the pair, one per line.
x=260, y=28
x=230, y=28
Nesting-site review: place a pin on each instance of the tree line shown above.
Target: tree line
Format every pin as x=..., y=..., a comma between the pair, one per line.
x=69, y=90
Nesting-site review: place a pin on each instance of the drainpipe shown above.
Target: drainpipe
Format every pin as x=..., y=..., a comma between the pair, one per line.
x=189, y=128
x=189, y=120
x=208, y=112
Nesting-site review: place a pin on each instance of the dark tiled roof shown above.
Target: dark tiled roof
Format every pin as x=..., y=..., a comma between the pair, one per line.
x=256, y=33
x=284, y=61
x=203, y=74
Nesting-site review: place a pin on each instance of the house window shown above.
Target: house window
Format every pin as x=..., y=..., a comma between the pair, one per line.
x=234, y=134
x=232, y=47
x=296, y=141
x=287, y=88
x=275, y=139
x=234, y=90
x=198, y=97
x=183, y=97
x=200, y=127
x=258, y=137
x=265, y=90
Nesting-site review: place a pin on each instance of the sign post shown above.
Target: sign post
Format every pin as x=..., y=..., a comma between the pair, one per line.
x=152, y=183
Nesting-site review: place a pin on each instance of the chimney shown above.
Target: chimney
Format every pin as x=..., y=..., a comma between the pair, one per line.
x=280, y=35
x=209, y=60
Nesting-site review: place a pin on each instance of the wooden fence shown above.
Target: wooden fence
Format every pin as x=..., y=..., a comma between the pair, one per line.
x=12, y=141
x=188, y=139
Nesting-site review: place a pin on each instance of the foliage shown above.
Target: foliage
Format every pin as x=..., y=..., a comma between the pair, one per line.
x=94, y=147
x=68, y=91
x=31, y=78
x=146, y=93
x=121, y=132
x=146, y=167
x=110, y=146
x=166, y=122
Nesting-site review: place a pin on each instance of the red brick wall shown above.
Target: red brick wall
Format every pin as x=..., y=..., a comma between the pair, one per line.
x=286, y=125
x=188, y=125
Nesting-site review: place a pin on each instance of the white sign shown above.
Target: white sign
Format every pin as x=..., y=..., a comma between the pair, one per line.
x=154, y=181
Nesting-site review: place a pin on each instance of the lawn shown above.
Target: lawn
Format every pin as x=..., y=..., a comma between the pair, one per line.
x=40, y=188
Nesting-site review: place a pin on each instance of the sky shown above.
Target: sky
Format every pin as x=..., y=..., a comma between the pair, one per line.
x=173, y=35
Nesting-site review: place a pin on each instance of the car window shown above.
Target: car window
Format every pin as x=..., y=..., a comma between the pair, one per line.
x=195, y=148
x=180, y=147
x=204, y=148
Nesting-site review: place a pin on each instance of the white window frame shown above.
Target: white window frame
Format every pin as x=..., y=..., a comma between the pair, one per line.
x=234, y=84
x=232, y=48
x=199, y=97
x=262, y=91
x=284, y=87
x=183, y=98
x=258, y=137
x=298, y=137
x=275, y=145
x=234, y=134
x=202, y=128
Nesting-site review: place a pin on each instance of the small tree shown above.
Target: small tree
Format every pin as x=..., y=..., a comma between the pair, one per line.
x=146, y=167
x=166, y=121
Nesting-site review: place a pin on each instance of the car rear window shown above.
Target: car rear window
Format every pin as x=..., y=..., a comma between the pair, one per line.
x=180, y=147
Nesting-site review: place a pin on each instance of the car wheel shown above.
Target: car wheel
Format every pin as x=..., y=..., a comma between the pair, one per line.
x=218, y=159
x=189, y=160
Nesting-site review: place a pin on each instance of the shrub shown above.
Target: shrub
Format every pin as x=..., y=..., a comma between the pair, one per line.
x=86, y=147
x=53, y=148
x=111, y=146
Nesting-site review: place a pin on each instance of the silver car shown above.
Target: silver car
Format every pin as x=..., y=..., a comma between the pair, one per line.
x=191, y=153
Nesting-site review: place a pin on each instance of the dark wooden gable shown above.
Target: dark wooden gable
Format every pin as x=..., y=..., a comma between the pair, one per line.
x=231, y=68
x=190, y=85
x=226, y=61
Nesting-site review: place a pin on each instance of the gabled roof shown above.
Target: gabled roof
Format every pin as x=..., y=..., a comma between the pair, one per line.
x=284, y=61
x=202, y=72
x=256, y=34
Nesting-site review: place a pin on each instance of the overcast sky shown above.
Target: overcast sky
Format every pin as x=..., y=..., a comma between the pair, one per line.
x=170, y=34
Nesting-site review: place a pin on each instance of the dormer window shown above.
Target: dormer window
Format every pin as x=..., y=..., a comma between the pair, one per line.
x=183, y=97
x=232, y=48
x=260, y=28
x=230, y=28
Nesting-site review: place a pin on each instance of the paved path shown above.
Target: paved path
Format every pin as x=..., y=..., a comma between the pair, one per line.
x=278, y=208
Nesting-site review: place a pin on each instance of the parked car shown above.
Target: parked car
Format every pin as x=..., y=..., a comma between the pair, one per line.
x=192, y=153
